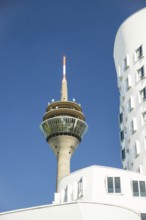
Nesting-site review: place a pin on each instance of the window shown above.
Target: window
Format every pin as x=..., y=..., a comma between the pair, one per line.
x=144, y=140
x=142, y=188
x=122, y=135
x=119, y=73
x=126, y=62
x=128, y=83
x=130, y=104
x=141, y=72
x=137, y=148
x=121, y=117
x=133, y=126
x=123, y=154
x=113, y=184
x=80, y=188
x=140, y=169
x=139, y=188
x=139, y=53
x=144, y=117
x=143, y=216
x=143, y=93
x=135, y=188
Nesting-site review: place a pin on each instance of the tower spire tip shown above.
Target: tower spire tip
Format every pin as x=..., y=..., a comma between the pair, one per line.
x=64, y=60
x=64, y=93
x=64, y=65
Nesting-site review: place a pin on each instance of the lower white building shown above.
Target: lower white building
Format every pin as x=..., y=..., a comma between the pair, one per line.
x=92, y=193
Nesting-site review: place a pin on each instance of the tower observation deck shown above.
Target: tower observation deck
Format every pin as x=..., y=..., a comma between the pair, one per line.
x=63, y=127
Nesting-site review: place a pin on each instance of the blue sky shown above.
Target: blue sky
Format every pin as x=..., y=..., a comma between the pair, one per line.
x=34, y=35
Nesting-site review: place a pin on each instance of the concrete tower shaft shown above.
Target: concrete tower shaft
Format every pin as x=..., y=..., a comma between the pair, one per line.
x=63, y=147
x=63, y=127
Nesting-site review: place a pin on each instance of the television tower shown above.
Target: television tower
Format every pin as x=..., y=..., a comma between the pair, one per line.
x=63, y=127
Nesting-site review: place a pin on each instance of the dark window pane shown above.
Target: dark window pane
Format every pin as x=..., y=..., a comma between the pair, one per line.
x=110, y=184
x=142, y=189
x=117, y=185
x=135, y=188
x=142, y=72
x=144, y=93
x=122, y=135
x=143, y=216
x=140, y=51
x=123, y=154
x=121, y=117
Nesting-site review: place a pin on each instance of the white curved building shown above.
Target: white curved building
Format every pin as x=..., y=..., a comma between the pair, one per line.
x=92, y=193
x=97, y=192
x=130, y=62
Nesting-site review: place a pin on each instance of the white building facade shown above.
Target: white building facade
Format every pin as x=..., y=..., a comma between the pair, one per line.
x=130, y=62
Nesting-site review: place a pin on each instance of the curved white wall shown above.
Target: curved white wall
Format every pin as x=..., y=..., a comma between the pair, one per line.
x=130, y=44
x=73, y=211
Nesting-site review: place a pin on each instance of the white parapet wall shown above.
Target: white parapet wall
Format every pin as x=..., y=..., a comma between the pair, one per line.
x=73, y=211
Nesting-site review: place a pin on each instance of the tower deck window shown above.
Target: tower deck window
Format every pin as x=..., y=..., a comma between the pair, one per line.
x=114, y=185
